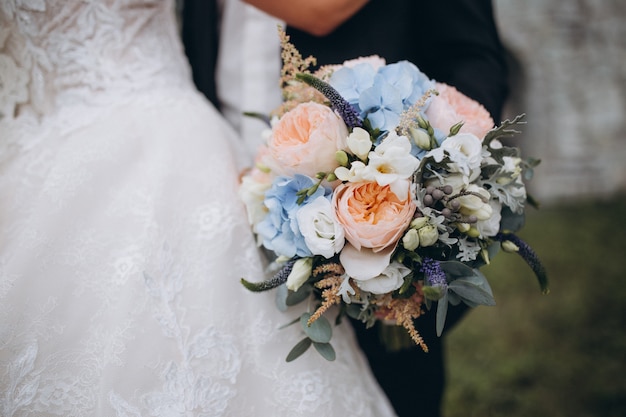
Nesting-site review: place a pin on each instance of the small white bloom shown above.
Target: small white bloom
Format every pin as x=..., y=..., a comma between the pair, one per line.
x=300, y=272
x=391, y=162
x=389, y=280
x=357, y=173
x=322, y=234
x=464, y=151
x=360, y=143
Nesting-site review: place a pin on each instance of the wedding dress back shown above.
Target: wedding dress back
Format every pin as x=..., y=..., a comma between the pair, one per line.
x=122, y=240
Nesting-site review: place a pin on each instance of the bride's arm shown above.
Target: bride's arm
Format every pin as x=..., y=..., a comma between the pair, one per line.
x=317, y=17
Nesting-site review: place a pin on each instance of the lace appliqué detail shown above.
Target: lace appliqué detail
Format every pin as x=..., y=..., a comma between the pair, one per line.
x=59, y=53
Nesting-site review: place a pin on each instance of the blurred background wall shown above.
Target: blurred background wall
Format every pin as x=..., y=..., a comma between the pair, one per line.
x=568, y=63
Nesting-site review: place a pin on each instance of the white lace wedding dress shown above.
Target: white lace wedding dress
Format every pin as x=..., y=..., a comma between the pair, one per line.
x=122, y=240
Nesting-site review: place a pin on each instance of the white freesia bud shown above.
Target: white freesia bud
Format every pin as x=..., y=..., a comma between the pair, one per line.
x=357, y=173
x=359, y=143
x=411, y=240
x=420, y=138
x=509, y=246
x=300, y=272
x=473, y=232
x=419, y=222
x=428, y=235
x=463, y=227
x=342, y=158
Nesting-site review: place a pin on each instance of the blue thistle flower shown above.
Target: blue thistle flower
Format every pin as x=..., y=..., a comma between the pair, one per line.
x=435, y=277
x=278, y=279
x=345, y=110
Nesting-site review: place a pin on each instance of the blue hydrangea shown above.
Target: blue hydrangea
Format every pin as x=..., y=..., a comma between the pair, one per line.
x=279, y=230
x=381, y=96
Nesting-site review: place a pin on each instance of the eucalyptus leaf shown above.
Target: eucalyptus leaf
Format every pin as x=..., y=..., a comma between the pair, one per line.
x=454, y=299
x=326, y=350
x=455, y=270
x=442, y=312
x=319, y=331
x=295, y=297
x=473, y=294
x=299, y=349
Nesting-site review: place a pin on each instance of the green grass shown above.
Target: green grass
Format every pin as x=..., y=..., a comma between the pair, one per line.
x=557, y=355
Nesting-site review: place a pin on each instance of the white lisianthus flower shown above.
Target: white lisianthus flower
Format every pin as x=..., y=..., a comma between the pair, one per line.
x=464, y=151
x=323, y=235
x=360, y=143
x=473, y=205
x=389, y=280
x=491, y=226
x=357, y=173
x=300, y=272
x=391, y=163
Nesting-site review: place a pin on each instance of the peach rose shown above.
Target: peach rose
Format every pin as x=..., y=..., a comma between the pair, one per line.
x=305, y=140
x=372, y=215
x=451, y=107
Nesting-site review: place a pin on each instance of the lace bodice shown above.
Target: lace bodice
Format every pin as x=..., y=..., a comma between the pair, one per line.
x=55, y=53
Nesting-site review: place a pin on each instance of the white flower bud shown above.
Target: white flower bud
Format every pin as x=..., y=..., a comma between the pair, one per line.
x=420, y=138
x=428, y=235
x=411, y=240
x=509, y=246
x=342, y=158
x=419, y=222
x=359, y=143
x=300, y=272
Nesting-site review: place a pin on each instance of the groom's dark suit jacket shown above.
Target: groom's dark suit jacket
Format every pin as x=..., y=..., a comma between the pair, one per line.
x=452, y=41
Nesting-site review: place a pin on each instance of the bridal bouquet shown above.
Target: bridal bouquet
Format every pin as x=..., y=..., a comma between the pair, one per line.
x=383, y=192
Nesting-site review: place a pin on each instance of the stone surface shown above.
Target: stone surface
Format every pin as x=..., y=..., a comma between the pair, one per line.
x=568, y=62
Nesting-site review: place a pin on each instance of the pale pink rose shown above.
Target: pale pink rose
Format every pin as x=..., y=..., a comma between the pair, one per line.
x=372, y=215
x=451, y=107
x=305, y=140
x=374, y=61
